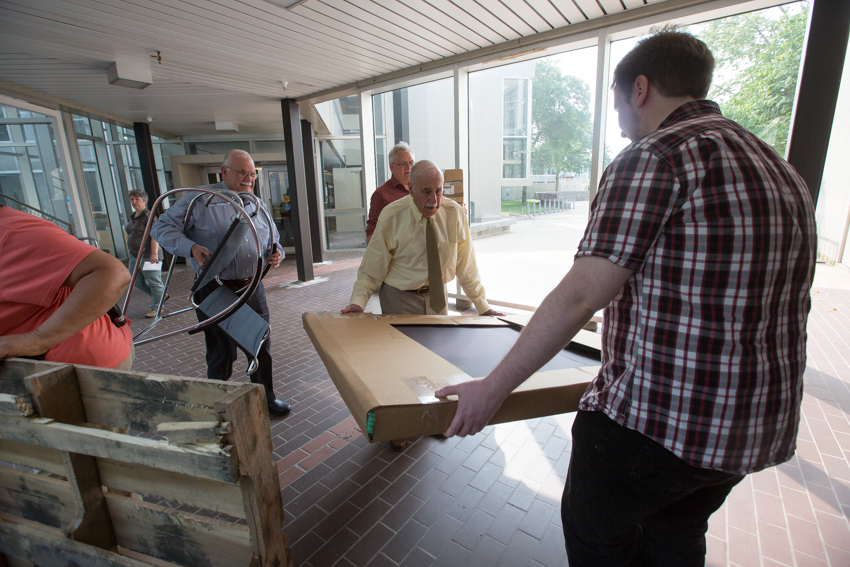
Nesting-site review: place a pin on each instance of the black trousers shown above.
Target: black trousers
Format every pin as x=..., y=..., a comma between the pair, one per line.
x=221, y=351
x=629, y=501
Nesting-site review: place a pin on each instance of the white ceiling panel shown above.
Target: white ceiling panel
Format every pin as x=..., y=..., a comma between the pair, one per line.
x=228, y=59
x=590, y=8
x=570, y=11
x=548, y=12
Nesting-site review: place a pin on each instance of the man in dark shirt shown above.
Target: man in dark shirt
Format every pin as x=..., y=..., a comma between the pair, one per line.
x=397, y=186
x=149, y=281
x=701, y=248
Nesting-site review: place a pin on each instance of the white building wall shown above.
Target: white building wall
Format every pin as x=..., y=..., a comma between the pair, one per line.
x=485, y=139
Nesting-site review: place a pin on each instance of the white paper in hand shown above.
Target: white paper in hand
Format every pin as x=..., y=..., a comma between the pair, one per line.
x=152, y=267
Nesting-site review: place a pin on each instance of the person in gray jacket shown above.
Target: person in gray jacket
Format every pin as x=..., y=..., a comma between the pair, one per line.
x=198, y=236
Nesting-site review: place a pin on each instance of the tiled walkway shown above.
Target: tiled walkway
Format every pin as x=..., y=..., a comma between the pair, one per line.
x=493, y=499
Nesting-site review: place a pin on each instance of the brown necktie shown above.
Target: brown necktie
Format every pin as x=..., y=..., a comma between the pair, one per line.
x=435, y=275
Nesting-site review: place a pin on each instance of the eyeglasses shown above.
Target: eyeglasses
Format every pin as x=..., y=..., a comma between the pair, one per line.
x=403, y=164
x=242, y=172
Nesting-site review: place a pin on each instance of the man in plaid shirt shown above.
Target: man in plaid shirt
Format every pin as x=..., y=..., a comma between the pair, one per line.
x=701, y=248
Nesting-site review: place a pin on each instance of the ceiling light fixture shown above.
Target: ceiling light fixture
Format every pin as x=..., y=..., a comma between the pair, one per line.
x=130, y=75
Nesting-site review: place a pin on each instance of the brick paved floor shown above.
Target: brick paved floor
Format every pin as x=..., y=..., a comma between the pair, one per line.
x=493, y=499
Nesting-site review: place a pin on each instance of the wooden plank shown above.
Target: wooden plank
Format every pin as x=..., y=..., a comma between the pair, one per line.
x=141, y=402
x=179, y=489
x=55, y=394
x=259, y=482
x=32, y=456
x=204, y=461
x=183, y=433
x=186, y=539
x=13, y=370
x=44, y=546
x=11, y=404
x=36, y=497
x=91, y=523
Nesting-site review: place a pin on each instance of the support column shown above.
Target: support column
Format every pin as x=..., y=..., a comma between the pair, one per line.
x=817, y=92
x=144, y=146
x=297, y=188
x=312, y=179
x=600, y=106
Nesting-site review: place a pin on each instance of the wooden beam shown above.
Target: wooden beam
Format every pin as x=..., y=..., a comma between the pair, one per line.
x=45, y=546
x=259, y=481
x=36, y=497
x=189, y=432
x=56, y=395
x=180, y=537
x=141, y=402
x=178, y=489
x=204, y=461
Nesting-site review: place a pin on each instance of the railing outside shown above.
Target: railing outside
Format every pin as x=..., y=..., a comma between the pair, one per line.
x=15, y=204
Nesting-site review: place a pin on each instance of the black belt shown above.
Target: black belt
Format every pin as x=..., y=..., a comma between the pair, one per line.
x=241, y=282
x=423, y=289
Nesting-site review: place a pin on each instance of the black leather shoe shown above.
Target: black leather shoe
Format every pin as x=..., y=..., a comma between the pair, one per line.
x=279, y=408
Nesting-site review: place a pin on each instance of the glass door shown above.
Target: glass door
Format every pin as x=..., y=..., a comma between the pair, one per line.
x=274, y=191
x=342, y=186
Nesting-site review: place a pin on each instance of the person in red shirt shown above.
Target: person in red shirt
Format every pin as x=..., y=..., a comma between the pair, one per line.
x=401, y=161
x=54, y=294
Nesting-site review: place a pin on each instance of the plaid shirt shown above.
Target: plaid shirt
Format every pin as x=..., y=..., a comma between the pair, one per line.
x=704, y=347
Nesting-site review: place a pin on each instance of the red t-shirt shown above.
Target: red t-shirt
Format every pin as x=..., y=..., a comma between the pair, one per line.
x=36, y=257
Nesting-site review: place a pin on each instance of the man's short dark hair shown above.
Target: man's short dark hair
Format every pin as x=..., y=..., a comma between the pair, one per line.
x=139, y=194
x=675, y=63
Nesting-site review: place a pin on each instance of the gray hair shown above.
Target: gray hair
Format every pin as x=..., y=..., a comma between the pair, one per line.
x=228, y=158
x=139, y=194
x=421, y=169
x=398, y=148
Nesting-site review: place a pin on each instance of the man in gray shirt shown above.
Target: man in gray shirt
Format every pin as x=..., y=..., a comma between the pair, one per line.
x=200, y=234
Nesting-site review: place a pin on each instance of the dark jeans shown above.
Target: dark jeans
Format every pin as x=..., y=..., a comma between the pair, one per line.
x=629, y=501
x=221, y=351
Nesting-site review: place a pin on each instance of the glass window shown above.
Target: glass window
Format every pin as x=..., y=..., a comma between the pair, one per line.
x=422, y=116
x=529, y=171
x=30, y=170
x=213, y=148
x=273, y=146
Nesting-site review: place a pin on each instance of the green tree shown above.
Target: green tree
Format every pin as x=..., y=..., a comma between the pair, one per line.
x=757, y=64
x=562, y=125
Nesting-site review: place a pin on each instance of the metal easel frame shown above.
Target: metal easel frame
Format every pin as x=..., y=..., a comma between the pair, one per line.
x=233, y=199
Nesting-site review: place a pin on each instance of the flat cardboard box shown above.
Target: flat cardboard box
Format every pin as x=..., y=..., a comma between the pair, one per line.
x=387, y=379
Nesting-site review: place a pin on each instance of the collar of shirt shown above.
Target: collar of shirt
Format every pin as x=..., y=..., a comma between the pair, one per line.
x=690, y=109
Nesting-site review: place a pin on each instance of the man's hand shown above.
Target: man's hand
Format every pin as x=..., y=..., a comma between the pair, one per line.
x=492, y=313
x=200, y=254
x=353, y=308
x=274, y=259
x=477, y=403
x=24, y=344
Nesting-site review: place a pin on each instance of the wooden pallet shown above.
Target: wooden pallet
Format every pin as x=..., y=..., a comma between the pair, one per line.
x=77, y=488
